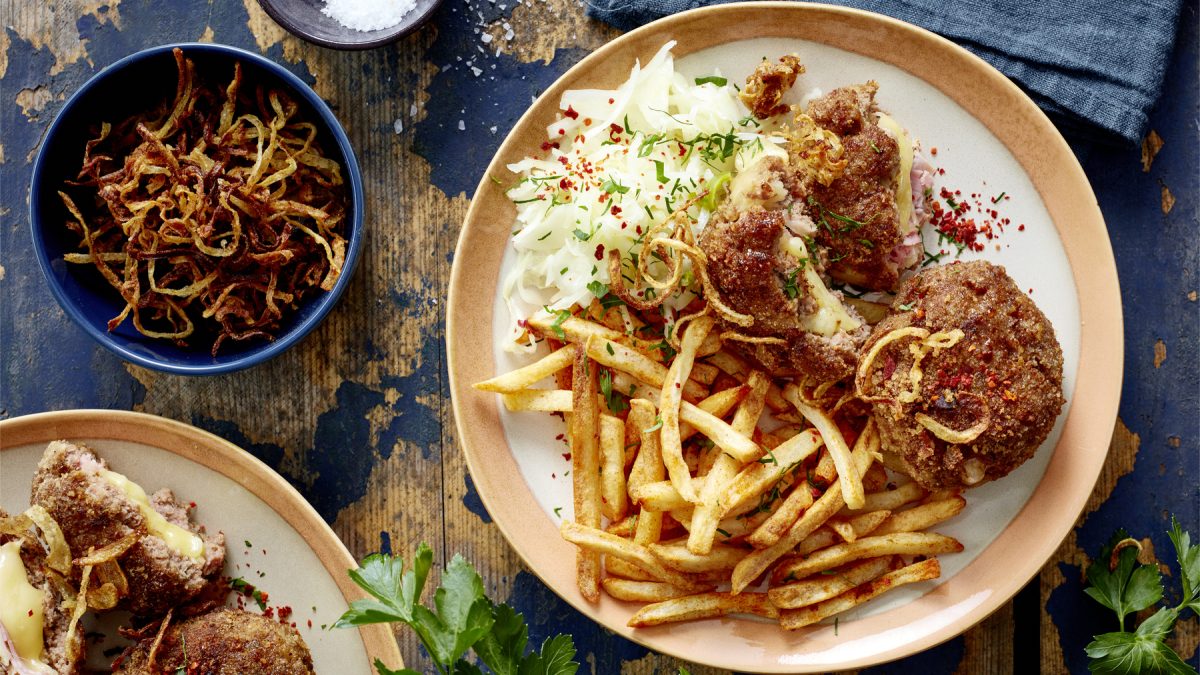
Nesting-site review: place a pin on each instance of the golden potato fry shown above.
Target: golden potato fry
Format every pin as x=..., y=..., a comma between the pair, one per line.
x=923, y=516
x=616, y=355
x=703, y=606
x=897, y=543
x=828, y=504
x=891, y=500
x=583, y=434
x=660, y=496
x=758, y=477
x=707, y=515
x=670, y=401
x=740, y=370
x=784, y=516
x=598, y=541
x=614, y=503
x=848, y=475
x=625, y=570
x=538, y=400
x=648, y=465
x=718, y=405
x=630, y=590
x=875, y=479
x=922, y=571
x=704, y=373
x=537, y=371
x=721, y=557
x=816, y=589
x=623, y=527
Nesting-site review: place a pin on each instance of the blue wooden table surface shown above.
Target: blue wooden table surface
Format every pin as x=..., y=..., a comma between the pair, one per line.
x=368, y=436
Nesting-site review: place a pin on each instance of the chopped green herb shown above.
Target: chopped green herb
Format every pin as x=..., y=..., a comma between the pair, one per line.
x=614, y=401
x=659, y=172
x=997, y=198
x=723, y=533
x=610, y=186
x=558, y=512
x=790, y=287
x=581, y=235
x=905, y=307
x=712, y=79
x=545, y=235
x=560, y=316
x=657, y=424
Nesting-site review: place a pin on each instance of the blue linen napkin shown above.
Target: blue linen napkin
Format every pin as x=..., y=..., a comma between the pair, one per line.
x=1094, y=64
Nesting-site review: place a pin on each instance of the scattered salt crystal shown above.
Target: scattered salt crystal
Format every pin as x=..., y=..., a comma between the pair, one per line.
x=368, y=15
x=508, y=35
x=492, y=129
x=486, y=37
x=412, y=110
x=477, y=71
x=462, y=125
x=398, y=125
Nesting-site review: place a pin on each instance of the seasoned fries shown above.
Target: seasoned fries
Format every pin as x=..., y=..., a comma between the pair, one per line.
x=690, y=496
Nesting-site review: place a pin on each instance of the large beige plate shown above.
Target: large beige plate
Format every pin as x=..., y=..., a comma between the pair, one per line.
x=293, y=555
x=986, y=129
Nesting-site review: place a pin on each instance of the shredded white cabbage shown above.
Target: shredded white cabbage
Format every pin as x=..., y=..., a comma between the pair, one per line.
x=616, y=162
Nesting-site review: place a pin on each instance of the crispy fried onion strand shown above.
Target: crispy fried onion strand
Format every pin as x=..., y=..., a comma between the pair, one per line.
x=80, y=604
x=953, y=435
x=158, y=638
x=58, y=553
x=219, y=207
x=927, y=342
x=815, y=150
x=669, y=242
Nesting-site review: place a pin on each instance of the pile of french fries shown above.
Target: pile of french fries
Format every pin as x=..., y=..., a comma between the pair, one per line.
x=682, y=501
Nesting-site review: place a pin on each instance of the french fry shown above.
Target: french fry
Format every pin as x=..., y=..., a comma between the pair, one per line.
x=784, y=516
x=614, y=503
x=758, y=477
x=623, y=527
x=598, y=541
x=572, y=329
x=718, y=405
x=660, y=496
x=537, y=371
x=922, y=571
x=626, y=570
x=704, y=373
x=843, y=528
x=647, y=468
x=721, y=558
x=891, y=500
x=740, y=370
x=848, y=473
x=629, y=360
x=583, y=433
x=538, y=400
x=703, y=606
x=812, y=591
x=669, y=404
x=875, y=479
x=825, y=472
x=828, y=504
x=707, y=515
x=923, y=516
x=897, y=543
x=630, y=590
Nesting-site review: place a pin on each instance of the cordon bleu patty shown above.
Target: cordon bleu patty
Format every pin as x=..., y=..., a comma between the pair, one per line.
x=865, y=215
x=63, y=655
x=1004, y=376
x=222, y=642
x=760, y=269
x=94, y=512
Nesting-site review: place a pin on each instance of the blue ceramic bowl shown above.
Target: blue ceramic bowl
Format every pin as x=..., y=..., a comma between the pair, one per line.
x=129, y=86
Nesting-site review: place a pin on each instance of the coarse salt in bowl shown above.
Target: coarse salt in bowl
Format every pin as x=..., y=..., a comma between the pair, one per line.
x=350, y=24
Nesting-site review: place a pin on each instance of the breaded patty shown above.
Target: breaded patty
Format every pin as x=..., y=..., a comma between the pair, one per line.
x=222, y=642
x=93, y=513
x=1004, y=375
x=755, y=276
x=857, y=212
x=64, y=655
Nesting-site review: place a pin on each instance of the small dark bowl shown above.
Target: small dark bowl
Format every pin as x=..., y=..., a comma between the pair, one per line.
x=303, y=18
x=134, y=84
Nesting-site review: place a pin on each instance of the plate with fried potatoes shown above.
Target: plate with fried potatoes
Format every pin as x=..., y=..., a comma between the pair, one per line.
x=659, y=474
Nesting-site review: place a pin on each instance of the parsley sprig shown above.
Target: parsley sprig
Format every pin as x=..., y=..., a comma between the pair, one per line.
x=1119, y=583
x=463, y=619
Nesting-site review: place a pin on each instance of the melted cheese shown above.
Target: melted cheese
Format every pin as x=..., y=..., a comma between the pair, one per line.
x=178, y=539
x=904, y=198
x=831, y=316
x=21, y=610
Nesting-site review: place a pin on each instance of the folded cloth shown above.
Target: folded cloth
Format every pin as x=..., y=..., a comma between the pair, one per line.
x=1089, y=63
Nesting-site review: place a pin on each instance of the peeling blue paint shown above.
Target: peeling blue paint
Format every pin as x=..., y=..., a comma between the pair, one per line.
x=472, y=501
x=270, y=453
x=385, y=542
x=939, y=659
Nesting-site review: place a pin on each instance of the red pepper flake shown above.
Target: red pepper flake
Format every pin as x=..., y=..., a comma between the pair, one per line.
x=587, y=121
x=610, y=101
x=191, y=505
x=615, y=210
x=310, y=623
x=571, y=113
x=599, y=251
x=562, y=132
x=546, y=148
x=614, y=132
x=1021, y=227
x=566, y=456
x=933, y=151
x=566, y=184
